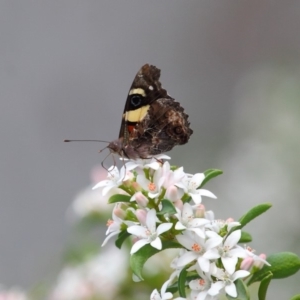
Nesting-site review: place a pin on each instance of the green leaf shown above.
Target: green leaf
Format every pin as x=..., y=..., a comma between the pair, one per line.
x=263, y=287
x=283, y=264
x=138, y=259
x=210, y=174
x=245, y=237
x=296, y=297
x=167, y=208
x=242, y=291
x=119, y=198
x=123, y=235
x=253, y=213
x=181, y=282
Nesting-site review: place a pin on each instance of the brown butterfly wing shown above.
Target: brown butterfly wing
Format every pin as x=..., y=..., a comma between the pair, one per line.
x=152, y=122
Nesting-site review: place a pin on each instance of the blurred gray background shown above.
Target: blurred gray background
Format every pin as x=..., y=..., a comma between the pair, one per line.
x=65, y=71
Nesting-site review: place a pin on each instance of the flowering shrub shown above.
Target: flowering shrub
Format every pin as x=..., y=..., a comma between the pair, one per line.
x=160, y=207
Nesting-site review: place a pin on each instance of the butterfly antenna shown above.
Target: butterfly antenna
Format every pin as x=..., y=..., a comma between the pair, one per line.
x=68, y=141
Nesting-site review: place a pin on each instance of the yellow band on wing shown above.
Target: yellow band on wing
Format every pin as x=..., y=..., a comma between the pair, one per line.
x=137, y=114
x=137, y=91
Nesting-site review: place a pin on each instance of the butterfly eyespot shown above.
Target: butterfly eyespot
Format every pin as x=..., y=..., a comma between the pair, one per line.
x=136, y=100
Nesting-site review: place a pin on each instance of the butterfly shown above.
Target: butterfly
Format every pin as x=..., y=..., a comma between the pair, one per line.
x=152, y=121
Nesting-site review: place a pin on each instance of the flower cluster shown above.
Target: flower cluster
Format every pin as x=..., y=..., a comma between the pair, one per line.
x=161, y=207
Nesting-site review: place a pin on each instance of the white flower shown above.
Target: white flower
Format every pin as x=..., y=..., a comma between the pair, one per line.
x=201, y=288
x=114, y=180
x=163, y=295
x=172, y=177
x=227, y=280
x=149, y=234
x=153, y=162
x=155, y=295
x=152, y=187
x=197, y=247
x=114, y=226
x=218, y=225
x=259, y=260
x=186, y=220
x=229, y=251
x=191, y=185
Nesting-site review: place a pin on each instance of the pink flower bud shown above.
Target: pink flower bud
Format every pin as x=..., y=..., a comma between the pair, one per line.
x=141, y=214
x=120, y=213
x=172, y=193
x=200, y=211
x=247, y=263
x=229, y=220
x=140, y=199
x=136, y=186
x=259, y=263
x=178, y=204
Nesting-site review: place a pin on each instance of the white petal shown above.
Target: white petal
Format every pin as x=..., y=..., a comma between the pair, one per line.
x=238, y=252
x=156, y=243
x=153, y=165
x=164, y=287
x=142, y=181
x=167, y=296
x=202, y=295
x=186, y=258
x=215, y=288
x=213, y=242
x=182, y=186
x=233, y=238
x=231, y=290
x=179, y=226
x=198, y=222
x=232, y=225
x=207, y=193
x=197, y=179
x=240, y=274
x=110, y=236
x=151, y=220
x=196, y=197
x=138, y=245
x=187, y=211
x=185, y=241
x=100, y=184
x=155, y=295
x=153, y=195
x=229, y=264
x=139, y=231
x=198, y=231
x=211, y=254
x=106, y=189
x=203, y=263
x=163, y=228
